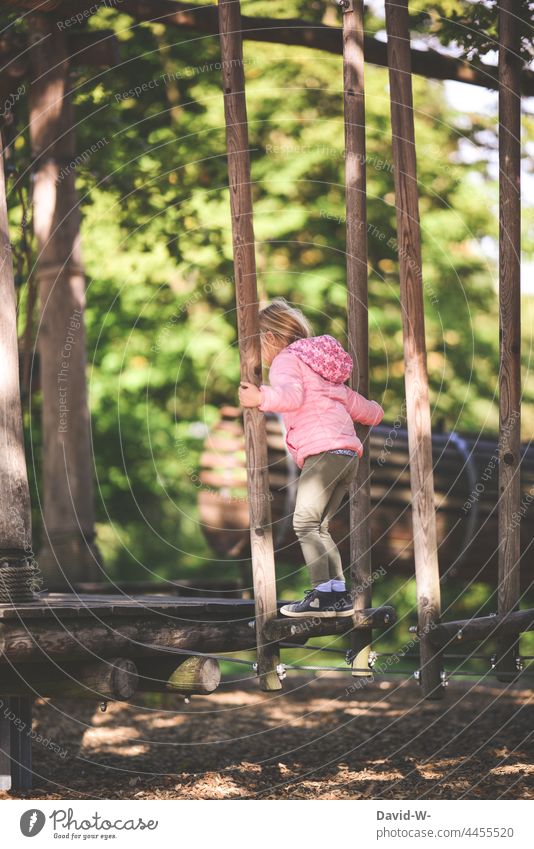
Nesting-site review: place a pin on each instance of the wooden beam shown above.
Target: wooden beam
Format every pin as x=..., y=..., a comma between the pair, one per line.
x=69, y=552
x=446, y=634
x=187, y=676
x=509, y=552
x=302, y=33
x=129, y=636
x=357, y=316
x=413, y=324
x=114, y=680
x=302, y=629
x=237, y=144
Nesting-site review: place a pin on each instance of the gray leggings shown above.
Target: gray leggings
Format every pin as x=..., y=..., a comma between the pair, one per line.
x=324, y=480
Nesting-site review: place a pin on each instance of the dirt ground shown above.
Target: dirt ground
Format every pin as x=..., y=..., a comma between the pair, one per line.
x=312, y=742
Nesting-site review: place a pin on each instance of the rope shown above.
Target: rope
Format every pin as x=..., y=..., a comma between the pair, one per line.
x=18, y=582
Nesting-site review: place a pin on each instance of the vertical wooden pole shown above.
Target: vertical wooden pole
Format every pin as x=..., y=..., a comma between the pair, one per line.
x=69, y=553
x=358, y=337
x=509, y=329
x=413, y=323
x=248, y=332
x=15, y=512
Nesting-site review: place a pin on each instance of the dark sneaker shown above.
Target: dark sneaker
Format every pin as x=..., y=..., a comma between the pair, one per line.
x=320, y=604
x=343, y=603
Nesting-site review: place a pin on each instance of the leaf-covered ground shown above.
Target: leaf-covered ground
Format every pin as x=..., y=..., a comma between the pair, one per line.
x=312, y=742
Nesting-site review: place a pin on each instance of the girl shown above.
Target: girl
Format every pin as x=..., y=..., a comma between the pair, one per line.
x=307, y=385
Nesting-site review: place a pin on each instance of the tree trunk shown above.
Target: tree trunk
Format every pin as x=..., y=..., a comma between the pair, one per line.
x=69, y=552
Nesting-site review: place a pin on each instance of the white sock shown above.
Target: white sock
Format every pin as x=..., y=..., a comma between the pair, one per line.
x=338, y=586
x=325, y=587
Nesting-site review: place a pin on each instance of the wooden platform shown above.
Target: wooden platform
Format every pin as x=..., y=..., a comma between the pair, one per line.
x=72, y=605
x=67, y=626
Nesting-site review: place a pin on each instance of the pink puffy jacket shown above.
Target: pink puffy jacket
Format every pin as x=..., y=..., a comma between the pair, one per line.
x=307, y=387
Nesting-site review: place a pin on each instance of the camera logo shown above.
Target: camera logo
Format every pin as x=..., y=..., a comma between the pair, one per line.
x=32, y=822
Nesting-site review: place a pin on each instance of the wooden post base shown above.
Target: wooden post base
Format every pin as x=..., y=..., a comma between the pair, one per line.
x=16, y=743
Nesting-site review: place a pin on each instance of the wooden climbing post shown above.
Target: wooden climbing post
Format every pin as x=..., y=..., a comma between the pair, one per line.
x=15, y=513
x=357, y=322
x=509, y=553
x=413, y=323
x=235, y=111
x=69, y=553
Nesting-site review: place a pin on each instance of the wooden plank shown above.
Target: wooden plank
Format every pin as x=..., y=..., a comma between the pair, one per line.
x=65, y=607
x=509, y=552
x=131, y=637
x=357, y=319
x=482, y=628
x=235, y=110
x=302, y=629
x=413, y=324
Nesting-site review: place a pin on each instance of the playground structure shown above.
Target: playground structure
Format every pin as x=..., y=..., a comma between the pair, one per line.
x=109, y=646
x=466, y=509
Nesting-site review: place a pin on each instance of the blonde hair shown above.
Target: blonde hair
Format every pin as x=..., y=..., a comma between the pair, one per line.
x=284, y=321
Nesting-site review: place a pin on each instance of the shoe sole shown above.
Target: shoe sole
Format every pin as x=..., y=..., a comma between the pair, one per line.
x=320, y=614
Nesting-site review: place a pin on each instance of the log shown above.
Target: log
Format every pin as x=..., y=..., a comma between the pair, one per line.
x=261, y=537
x=413, y=325
x=482, y=628
x=509, y=550
x=302, y=33
x=300, y=630
x=357, y=321
x=69, y=552
x=112, y=680
x=187, y=676
x=134, y=637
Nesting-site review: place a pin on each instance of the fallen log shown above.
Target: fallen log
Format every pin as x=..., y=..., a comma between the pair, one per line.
x=30, y=642
x=187, y=676
x=113, y=680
